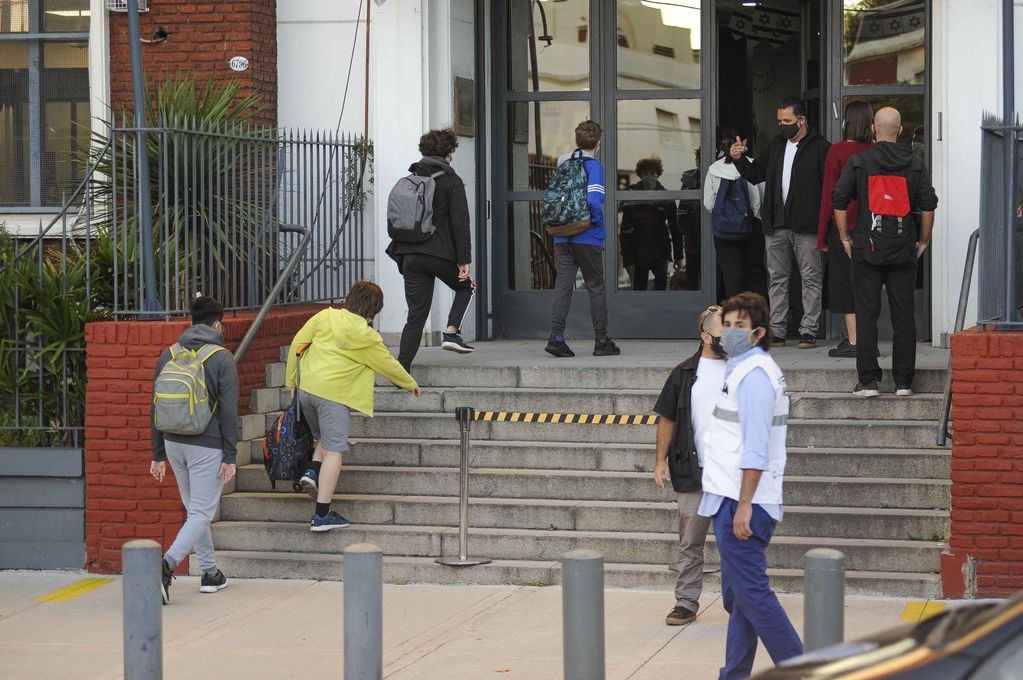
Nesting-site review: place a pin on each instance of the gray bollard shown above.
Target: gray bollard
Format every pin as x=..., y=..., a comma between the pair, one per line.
x=141, y=563
x=582, y=603
x=823, y=598
x=363, y=617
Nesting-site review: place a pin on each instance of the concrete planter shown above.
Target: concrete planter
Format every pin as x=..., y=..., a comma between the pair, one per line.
x=42, y=508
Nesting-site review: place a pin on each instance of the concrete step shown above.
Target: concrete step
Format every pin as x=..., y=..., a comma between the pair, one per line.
x=785, y=552
x=805, y=405
x=401, y=570
x=868, y=523
x=270, y=399
x=610, y=485
x=895, y=434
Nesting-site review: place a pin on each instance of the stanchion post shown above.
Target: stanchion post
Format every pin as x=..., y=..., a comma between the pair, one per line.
x=823, y=598
x=143, y=618
x=363, y=617
x=464, y=415
x=582, y=603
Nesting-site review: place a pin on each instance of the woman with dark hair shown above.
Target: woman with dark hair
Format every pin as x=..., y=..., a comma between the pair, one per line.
x=445, y=255
x=859, y=136
x=340, y=353
x=740, y=260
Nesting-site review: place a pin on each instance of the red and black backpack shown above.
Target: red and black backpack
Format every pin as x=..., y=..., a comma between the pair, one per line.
x=890, y=238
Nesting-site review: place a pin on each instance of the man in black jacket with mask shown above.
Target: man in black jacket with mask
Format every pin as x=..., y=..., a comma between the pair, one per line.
x=793, y=168
x=685, y=407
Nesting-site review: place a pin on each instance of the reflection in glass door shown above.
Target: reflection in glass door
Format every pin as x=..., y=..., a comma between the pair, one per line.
x=635, y=67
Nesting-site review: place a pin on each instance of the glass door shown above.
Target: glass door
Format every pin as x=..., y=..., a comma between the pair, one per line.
x=635, y=67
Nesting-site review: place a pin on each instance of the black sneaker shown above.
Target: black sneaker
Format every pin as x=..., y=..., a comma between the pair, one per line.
x=777, y=341
x=866, y=389
x=558, y=348
x=211, y=584
x=606, y=348
x=807, y=341
x=165, y=581
x=679, y=616
x=844, y=350
x=453, y=343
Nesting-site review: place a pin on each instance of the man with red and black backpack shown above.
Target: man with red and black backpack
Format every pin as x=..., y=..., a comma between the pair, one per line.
x=896, y=209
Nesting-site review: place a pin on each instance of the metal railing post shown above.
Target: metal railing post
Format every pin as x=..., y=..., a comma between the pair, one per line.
x=964, y=299
x=582, y=604
x=143, y=618
x=464, y=416
x=823, y=598
x=363, y=612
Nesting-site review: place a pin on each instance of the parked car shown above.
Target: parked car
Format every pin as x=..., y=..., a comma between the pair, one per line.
x=978, y=641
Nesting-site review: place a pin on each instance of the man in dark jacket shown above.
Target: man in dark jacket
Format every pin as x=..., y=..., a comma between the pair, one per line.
x=446, y=255
x=202, y=463
x=885, y=251
x=685, y=407
x=793, y=168
x=649, y=233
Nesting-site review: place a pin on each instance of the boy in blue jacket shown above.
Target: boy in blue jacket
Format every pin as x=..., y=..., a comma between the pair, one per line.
x=583, y=251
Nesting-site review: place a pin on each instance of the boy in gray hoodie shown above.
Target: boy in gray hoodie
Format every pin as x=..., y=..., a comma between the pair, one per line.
x=202, y=463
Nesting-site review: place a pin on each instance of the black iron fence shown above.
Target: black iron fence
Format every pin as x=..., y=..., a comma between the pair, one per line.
x=1000, y=281
x=228, y=208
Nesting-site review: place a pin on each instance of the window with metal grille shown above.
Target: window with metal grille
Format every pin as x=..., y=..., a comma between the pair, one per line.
x=664, y=51
x=44, y=101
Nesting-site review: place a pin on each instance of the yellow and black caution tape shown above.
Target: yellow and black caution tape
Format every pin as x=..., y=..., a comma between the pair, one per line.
x=563, y=418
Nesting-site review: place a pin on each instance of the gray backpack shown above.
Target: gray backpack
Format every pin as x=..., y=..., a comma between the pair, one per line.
x=180, y=396
x=410, y=208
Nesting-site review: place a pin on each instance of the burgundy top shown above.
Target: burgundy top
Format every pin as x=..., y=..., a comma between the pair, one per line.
x=833, y=166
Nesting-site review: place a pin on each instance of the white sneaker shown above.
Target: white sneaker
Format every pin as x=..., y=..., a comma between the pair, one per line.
x=868, y=390
x=904, y=392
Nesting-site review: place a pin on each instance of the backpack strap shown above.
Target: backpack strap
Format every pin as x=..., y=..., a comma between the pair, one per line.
x=208, y=350
x=437, y=174
x=176, y=349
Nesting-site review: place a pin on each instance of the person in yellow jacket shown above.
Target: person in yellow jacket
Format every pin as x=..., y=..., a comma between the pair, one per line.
x=340, y=353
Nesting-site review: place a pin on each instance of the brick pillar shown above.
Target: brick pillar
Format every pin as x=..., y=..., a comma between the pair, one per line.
x=986, y=546
x=203, y=37
x=122, y=501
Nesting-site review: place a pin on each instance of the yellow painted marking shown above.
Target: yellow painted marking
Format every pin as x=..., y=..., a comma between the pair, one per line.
x=566, y=418
x=515, y=417
x=583, y=418
x=556, y=418
x=74, y=590
x=529, y=417
x=570, y=418
x=920, y=610
x=543, y=417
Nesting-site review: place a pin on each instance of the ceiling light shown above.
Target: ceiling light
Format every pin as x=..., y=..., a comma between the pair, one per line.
x=750, y=4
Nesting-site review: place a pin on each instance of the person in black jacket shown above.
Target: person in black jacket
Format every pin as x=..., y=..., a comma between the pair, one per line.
x=793, y=168
x=446, y=255
x=685, y=407
x=649, y=231
x=880, y=259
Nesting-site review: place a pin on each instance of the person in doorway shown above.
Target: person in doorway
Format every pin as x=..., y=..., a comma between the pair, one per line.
x=858, y=135
x=339, y=351
x=202, y=463
x=584, y=251
x=445, y=256
x=650, y=237
x=793, y=169
x=896, y=215
x=744, y=464
x=740, y=260
x=685, y=406
x=689, y=224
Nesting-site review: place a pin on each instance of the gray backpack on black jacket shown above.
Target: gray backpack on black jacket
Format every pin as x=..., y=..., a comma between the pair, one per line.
x=410, y=208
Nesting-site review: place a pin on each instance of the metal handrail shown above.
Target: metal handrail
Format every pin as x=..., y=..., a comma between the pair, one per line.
x=964, y=297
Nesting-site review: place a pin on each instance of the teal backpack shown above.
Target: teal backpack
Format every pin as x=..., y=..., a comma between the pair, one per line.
x=565, y=210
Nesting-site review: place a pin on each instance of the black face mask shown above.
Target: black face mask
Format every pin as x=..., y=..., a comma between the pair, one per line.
x=715, y=346
x=788, y=130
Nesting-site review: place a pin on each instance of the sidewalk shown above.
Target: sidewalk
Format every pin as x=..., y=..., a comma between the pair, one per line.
x=278, y=629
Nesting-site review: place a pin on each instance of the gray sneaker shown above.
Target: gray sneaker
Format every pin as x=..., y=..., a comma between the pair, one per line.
x=866, y=390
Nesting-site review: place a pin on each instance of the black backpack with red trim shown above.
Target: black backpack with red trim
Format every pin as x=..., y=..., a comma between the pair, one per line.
x=890, y=238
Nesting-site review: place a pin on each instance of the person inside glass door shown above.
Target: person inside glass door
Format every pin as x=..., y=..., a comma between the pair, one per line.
x=649, y=235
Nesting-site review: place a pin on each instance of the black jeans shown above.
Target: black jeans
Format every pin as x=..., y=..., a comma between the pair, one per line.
x=641, y=275
x=742, y=266
x=899, y=281
x=570, y=258
x=420, y=271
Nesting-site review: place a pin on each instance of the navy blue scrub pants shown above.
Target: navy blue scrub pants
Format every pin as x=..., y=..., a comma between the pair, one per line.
x=753, y=608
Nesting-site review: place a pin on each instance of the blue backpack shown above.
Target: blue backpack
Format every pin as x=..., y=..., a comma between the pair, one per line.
x=730, y=220
x=565, y=210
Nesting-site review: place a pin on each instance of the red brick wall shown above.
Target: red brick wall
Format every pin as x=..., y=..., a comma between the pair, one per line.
x=986, y=551
x=122, y=501
x=204, y=36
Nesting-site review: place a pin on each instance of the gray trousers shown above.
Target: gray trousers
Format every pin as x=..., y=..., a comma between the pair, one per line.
x=782, y=245
x=570, y=258
x=692, y=535
x=195, y=469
